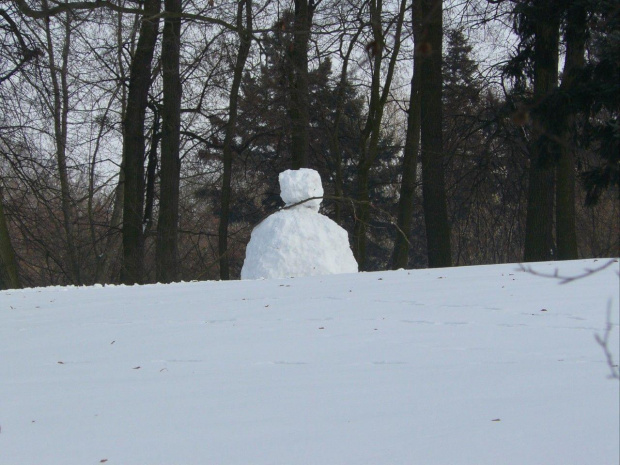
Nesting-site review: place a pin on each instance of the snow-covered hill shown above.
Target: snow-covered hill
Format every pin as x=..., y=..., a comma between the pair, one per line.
x=472, y=365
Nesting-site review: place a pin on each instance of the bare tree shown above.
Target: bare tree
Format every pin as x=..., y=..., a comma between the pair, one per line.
x=432, y=155
x=60, y=112
x=167, y=264
x=400, y=255
x=299, y=111
x=17, y=48
x=134, y=145
x=575, y=38
x=19, y=55
x=9, y=275
x=244, y=33
x=539, y=243
x=379, y=93
x=344, y=56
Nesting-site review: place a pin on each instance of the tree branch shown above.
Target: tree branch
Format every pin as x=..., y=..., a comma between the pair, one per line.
x=567, y=279
x=86, y=6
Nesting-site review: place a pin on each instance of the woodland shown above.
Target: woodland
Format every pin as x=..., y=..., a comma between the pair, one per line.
x=141, y=140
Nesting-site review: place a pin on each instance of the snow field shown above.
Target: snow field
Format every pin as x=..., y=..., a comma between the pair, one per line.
x=472, y=365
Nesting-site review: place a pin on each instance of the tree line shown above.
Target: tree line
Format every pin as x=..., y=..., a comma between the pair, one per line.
x=140, y=140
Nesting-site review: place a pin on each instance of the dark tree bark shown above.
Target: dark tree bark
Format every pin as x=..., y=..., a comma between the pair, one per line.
x=245, y=38
x=400, y=256
x=433, y=183
x=133, y=145
x=539, y=219
x=167, y=250
x=299, y=111
x=9, y=276
x=575, y=37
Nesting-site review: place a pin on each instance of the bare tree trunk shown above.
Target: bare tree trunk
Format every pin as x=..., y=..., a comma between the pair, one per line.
x=245, y=38
x=539, y=226
x=373, y=123
x=151, y=171
x=61, y=111
x=565, y=173
x=112, y=250
x=167, y=249
x=299, y=110
x=9, y=276
x=400, y=256
x=334, y=138
x=433, y=183
x=100, y=253
x=539, y=218
x=369, y=141
x=133, y=146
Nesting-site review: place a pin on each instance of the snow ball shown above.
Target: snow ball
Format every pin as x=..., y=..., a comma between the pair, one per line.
x=297, y=242
x=299, y=185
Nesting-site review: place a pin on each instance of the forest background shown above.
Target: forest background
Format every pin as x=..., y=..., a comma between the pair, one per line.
x=140, y=141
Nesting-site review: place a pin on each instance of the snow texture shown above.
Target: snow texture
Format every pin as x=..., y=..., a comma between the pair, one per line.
x=484, y=365
x=299, y=185
x=298, y=241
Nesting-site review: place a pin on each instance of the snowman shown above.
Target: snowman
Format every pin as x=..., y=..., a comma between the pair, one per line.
x=298, y=240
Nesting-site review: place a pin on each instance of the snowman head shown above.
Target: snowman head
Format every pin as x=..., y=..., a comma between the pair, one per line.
x=299, y=185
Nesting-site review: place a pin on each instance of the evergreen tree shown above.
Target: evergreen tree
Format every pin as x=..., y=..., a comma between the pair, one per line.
x=484, y=170
x=599, y=94
x=580, y=110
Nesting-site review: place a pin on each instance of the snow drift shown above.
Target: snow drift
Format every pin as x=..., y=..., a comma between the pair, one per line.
x=477, y=365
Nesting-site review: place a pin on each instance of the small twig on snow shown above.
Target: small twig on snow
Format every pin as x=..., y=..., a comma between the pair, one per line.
x=603, y=341
x=567, y=279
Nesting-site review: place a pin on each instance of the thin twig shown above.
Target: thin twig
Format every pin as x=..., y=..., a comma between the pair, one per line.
x=567, y=279
x=603, y=341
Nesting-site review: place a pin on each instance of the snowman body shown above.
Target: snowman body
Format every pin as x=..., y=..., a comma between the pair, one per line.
x=298, y=240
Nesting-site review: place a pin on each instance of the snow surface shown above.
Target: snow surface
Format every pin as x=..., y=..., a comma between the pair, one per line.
x=472, y=365
x=298, y=241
